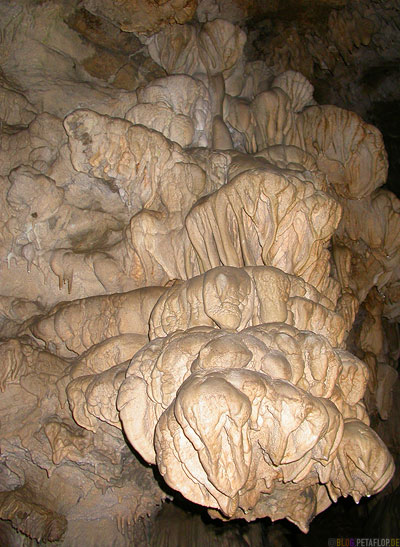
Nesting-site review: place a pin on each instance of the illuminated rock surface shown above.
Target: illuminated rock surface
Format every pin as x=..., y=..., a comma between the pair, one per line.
x=198, y=270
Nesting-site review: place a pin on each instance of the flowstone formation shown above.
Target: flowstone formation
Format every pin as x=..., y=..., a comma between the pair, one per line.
x=182, y=267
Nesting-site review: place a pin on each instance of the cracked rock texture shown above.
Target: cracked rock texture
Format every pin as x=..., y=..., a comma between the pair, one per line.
x=199, y=268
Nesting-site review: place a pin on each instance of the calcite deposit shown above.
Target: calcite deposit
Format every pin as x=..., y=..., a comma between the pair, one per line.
x=183, y=262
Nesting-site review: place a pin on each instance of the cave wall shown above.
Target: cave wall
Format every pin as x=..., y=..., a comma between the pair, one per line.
x=200, y=262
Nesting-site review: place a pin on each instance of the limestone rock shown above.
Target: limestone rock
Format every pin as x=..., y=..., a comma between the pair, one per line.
x=256, y=202
x=368, y=230
x=73, y=327
x=195, y=260
x=216, y=48
x=252, y=398
x=350, y=152
x=143, y=16
x=236, y=298
x=177, y=106
x=44, y=452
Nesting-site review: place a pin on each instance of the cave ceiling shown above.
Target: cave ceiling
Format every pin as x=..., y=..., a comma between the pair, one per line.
x=348, y=49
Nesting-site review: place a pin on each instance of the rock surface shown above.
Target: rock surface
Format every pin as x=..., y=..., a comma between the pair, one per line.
x=200, y=271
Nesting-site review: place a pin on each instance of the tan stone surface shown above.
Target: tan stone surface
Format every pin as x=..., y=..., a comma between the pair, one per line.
x=143, y=16
x=194, y=268
x=252, y=410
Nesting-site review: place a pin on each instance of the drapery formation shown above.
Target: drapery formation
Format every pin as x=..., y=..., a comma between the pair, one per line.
x=183, y=265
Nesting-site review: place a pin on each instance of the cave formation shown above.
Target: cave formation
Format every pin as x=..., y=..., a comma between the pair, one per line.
x=199, y=272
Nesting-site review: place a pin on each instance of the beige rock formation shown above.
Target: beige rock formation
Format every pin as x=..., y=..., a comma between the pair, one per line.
x=239, y=413
x=73, y=327
x=176, y=106
x=143, y=16
x=256, y=203
x=44, y=452
x=182, y=264
x=235, y=298
x=369, y=232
